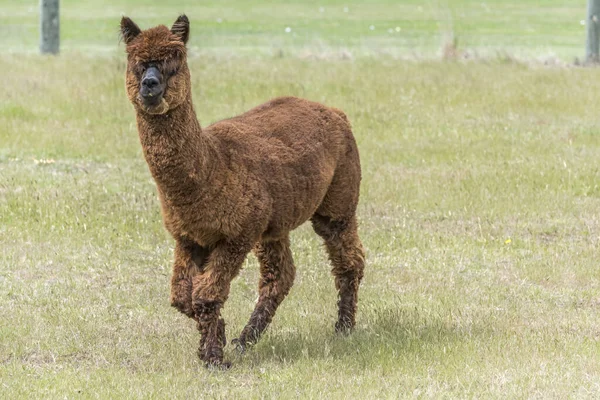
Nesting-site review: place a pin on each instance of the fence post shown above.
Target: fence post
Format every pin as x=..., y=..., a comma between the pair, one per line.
x=49, y=27
x=593, y=32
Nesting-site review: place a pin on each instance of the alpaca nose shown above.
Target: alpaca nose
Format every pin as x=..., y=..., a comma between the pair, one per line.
x=151, y=89
x=150, y=82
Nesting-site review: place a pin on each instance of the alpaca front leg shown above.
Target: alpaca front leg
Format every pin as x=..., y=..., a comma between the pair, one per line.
x=277, y=273
x=212, y=333
x=190, y=259
x=210, y=291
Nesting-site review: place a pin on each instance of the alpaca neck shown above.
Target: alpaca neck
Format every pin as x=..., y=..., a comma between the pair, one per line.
x=178, y=153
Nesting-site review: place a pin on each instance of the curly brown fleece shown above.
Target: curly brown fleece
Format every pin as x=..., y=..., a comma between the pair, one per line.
x=243, y=184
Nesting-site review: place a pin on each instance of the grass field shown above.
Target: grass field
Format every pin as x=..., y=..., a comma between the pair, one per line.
x=479, y=208
x=400, y=28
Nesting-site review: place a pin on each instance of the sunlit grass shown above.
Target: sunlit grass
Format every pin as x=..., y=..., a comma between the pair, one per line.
x=479, y=206
x=479, y=213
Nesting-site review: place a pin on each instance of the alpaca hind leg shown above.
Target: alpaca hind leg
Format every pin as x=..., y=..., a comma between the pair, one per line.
x=210, y=291
x=348, y=259
x=190, y=259
x=277, y=274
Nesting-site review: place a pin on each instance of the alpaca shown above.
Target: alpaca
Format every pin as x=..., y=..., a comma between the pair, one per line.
x=241, y=185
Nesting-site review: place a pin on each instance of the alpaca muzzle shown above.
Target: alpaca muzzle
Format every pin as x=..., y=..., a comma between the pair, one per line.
x=151, y=87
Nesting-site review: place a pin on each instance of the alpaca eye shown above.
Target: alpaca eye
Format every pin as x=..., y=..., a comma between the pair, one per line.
x=173, y=72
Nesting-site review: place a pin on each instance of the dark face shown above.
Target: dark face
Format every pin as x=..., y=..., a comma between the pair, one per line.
x=157, y=75
x=152, y=85
x=157, y=80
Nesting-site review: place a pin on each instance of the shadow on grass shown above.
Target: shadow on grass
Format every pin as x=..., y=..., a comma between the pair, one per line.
x=381, y=334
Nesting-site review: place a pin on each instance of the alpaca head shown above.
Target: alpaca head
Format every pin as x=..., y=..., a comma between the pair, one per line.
x=158, y=79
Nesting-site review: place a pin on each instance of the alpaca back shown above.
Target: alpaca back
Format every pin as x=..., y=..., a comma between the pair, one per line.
x=285, y=153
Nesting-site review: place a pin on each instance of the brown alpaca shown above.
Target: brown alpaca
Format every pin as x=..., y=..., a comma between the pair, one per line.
x=241, y=184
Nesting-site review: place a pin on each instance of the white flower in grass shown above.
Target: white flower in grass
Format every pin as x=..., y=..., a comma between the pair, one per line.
x=372, y=27
x=582, y=22
x=398, y=29
x=346, y=9
x=288, y=29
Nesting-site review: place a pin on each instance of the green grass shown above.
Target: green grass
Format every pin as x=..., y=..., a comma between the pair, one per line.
x=479, y=213
x=406, y=29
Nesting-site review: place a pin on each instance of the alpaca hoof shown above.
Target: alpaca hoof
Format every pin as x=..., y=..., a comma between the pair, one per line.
x=218, y=365
x=240, y=345
x=213, y=362
x=343, y=328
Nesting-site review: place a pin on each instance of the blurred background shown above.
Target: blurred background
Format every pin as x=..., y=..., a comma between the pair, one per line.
x=408, y=28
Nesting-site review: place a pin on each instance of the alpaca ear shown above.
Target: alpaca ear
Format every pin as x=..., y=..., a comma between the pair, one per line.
x=129, y=30
x=181, y=28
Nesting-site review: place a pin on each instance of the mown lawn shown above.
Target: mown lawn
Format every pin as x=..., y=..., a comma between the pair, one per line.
x=479, y=213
